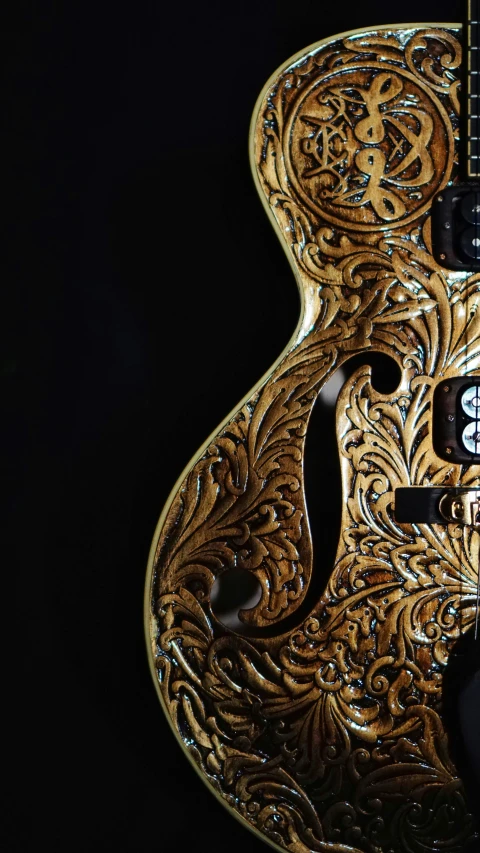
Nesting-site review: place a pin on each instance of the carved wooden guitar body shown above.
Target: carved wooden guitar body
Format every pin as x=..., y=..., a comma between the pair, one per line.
x=323, y=730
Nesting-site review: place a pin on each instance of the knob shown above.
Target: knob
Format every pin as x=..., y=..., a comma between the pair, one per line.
x=470, y=242
x=471, y=437
x=470, y=401
x=470, y=208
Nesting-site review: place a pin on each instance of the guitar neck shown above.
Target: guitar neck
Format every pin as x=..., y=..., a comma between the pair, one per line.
x=472, y=99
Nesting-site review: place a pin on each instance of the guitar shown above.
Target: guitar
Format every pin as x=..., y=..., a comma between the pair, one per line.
x=313, y=709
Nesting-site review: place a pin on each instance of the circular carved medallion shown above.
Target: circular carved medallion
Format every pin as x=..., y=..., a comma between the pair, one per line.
x=368, y=146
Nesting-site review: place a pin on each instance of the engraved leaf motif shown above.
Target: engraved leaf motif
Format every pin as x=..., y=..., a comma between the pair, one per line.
x=329, y=737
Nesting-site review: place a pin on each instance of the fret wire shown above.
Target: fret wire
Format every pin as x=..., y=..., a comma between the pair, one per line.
x=472, y=32
x=473, y=158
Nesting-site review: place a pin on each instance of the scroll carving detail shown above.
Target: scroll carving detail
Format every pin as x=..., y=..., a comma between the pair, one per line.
x=329, y=736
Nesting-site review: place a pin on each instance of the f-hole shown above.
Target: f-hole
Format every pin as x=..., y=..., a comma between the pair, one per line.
x=323, y=487
x=238, y=589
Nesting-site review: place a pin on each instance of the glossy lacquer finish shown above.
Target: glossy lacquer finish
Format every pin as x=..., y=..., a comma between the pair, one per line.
x=322, y=730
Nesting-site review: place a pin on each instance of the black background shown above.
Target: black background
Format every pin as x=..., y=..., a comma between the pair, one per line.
x=147, y=294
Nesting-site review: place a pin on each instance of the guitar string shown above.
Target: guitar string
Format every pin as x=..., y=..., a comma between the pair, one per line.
x=473, y=162
x=471, y=126
x=473, y=65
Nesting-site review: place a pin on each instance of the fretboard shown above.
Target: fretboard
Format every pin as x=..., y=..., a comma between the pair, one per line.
x=472, y=79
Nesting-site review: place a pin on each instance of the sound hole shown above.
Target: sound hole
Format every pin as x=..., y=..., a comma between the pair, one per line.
x=460, y=697
x=234, y=590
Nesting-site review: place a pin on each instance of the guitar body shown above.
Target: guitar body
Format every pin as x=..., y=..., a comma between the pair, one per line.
x=320, y=725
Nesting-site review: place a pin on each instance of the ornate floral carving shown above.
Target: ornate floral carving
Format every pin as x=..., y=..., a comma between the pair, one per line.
x=328, y=736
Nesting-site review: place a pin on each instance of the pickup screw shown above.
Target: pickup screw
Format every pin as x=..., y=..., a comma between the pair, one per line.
x=448, y=450
x=450, y=418
x=440, y=198
x=447, y=225
x=446, y=388
x=442, y=257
